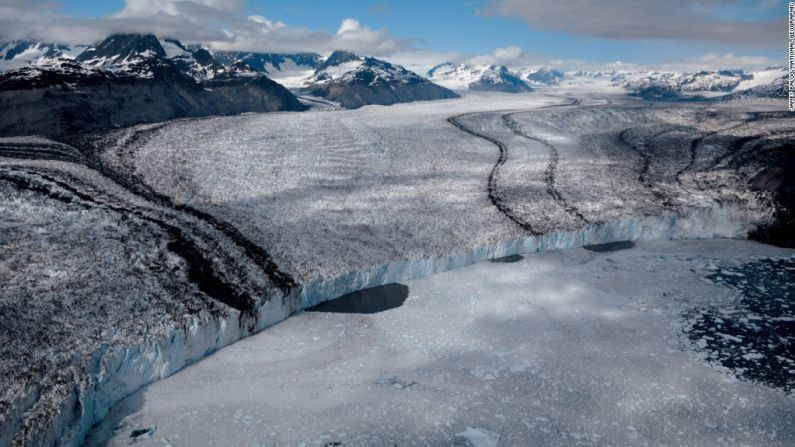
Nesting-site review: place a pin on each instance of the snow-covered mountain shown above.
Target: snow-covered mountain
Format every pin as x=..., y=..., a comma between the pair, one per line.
x=769, y=83
x=716, y=84
x=132, y=78
x=673, y=84
x=704, y=84
x=290, y=70
x=646, y=84
x=127, y=79
x=136, y=54
x=354, y=81
x=21, y=53
x=496, y=78
x=128, y=53
x=122, y=49
x=119, y=51
x=543, y=76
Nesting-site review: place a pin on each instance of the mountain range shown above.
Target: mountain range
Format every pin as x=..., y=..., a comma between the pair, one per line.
x=129, y=79
x=721, y=84
x=54, y=90
x=495, y=78
x=354, y=81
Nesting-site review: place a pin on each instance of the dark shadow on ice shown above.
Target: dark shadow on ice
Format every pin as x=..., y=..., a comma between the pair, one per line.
x=610, y=246
x=366, y=301
x=508, y=259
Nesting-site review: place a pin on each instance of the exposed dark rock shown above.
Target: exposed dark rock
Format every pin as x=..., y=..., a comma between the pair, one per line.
x=260, y=61
x=119, y=48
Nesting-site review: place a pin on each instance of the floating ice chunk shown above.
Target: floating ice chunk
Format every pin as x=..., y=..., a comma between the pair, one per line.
x=480, y=437
x=729, y=337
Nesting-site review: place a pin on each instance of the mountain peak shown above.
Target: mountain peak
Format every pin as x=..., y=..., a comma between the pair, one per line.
x=444, y=66
x=478, y=77
x=338, y=57
x=119, y=49
x=203, y=57
x=354, y=81
x=22, y=53
x=544, y=76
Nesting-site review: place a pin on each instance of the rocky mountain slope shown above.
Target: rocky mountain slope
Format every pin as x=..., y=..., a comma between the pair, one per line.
x=21, y=53
x=133, y=78
x=270, y=62
x=290, y=70
x=354, y=81
x=130, y=79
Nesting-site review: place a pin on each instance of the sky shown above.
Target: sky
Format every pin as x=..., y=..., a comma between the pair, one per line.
x=581, y=34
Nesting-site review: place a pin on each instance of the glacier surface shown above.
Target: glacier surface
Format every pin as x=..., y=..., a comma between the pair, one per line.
x=209, y=230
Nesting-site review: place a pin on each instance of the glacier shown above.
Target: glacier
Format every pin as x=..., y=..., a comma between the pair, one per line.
x=289, y=210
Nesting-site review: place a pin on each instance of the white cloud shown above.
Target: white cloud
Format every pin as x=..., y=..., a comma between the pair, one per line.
x=644, y=19
x=713, y=61
x=266, y=23
x=509, y=56
x=508, y=53
x=709, y=61
x=222, y=25
x=349, y=26
x=217, y=23
x=353, y=36
x=146, y=8
x=420, y=61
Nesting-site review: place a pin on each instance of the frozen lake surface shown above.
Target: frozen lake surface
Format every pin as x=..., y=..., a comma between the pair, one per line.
x=574, y=347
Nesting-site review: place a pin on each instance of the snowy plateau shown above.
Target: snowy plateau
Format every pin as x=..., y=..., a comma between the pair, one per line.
x=130, y=251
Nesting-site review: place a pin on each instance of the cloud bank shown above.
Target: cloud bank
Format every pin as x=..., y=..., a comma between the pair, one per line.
x=223, y=25
x=643, y=19
x=218, y=23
